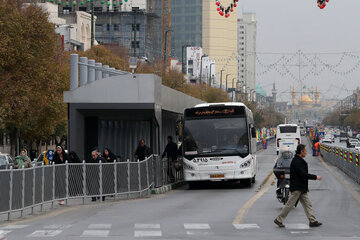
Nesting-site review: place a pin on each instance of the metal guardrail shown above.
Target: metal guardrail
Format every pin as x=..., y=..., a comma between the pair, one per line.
x=346, y=159
x=27, y=188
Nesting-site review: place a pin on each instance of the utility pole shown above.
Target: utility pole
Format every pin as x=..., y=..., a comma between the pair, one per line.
x=134, y=29
x=92, y=22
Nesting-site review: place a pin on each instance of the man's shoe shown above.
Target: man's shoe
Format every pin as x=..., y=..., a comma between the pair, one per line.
x=315, y=224
x=279, y=223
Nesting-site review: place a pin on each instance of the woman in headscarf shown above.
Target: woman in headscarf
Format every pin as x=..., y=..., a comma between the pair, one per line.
x=108, y=155
x=74, y=158
x=22, y=160
x=60, y=157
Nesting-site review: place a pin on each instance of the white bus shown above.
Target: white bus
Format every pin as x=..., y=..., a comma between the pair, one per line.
x=219, y=143
x=287, y=135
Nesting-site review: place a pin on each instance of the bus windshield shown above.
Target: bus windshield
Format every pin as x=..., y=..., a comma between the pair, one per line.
x=288, y=129
x=216, y=137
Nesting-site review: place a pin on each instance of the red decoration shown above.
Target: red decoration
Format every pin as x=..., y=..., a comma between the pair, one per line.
x=226, y=10
x=235, y=5
x=322, y=3
x=217, y=3
x=231, y=10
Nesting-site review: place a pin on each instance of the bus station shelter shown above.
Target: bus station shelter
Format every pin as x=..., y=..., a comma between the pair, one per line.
x=119, y=110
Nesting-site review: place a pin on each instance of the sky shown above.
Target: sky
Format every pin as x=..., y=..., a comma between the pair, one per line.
x=287, y=26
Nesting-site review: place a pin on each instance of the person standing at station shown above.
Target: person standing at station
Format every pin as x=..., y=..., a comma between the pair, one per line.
x=93, y=175
x=60, y=157
x=108, y=155
x=348, y=145
x=299, y=177
x=142, y=151
x=171, y=152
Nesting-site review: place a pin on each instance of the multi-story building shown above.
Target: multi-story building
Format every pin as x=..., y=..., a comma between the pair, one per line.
x=247, y=26
x=198, y=23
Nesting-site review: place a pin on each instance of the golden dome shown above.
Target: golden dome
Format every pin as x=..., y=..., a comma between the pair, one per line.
x=305, y=100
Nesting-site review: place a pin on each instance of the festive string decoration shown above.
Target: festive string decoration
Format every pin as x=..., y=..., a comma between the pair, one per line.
x=322, y=3
x=225, y=11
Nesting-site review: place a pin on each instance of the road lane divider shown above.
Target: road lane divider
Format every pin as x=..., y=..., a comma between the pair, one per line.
x=353, y=192
x=263, y=188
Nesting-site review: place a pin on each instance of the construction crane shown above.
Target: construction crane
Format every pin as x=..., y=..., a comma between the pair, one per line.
x=166, y=30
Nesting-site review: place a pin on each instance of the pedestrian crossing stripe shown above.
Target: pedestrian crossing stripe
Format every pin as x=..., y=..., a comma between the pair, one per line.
x=15, y=226
x=246, y=226
x=45, y=233
x=96, y=233
x=198, y=226
x=3, y=233
x=147, y=233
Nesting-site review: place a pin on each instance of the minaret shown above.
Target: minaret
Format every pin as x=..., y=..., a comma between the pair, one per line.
x=317, y=95
x=274, y=92
x=293, y=95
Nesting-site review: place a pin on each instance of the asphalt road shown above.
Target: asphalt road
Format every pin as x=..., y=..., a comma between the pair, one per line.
x=214, y=211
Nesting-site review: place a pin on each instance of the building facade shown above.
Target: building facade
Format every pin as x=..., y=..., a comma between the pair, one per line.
x=247, y=27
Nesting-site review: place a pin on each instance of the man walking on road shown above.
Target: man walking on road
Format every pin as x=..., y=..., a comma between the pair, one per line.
x=171, y=151
x=299, y=177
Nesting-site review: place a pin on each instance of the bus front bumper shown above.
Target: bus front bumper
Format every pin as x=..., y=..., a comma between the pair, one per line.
x=245, y=173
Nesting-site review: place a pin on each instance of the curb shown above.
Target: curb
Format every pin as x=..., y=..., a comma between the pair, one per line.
x=167, y=188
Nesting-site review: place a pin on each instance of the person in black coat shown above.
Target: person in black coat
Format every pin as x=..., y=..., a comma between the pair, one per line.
x=299, y=177
x=171, y=151
x=74, y=158
x=60, y=157
x=92, y=174
x=142, y=151
x=108, y=155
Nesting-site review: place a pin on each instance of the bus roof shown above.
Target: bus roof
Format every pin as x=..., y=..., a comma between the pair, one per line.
x=283, y=125
x=221, y=104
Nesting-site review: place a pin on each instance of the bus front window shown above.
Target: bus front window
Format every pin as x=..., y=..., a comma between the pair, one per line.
x=216, y=136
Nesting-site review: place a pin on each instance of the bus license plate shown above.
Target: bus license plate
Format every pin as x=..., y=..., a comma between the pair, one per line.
x=287, y=176
x=217, y=176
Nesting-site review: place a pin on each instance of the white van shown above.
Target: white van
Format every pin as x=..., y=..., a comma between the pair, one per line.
x=287, y=135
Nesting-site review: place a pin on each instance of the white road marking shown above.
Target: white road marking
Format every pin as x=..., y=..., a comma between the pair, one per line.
x=3, y=233
x=297, y=226
x=58, y=226
x=150, y=226
x=14, y=226
x=246, y=226
x=196, y=226
x=197, y=233
x=147, y=234
x=99, y=226
x=301, y=232
x=95, y=233
x=45, y=233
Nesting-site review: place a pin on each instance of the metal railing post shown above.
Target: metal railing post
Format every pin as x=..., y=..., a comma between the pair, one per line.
x=84, y=181
x=42, y=186
x=53, y=185
x=22, y=192
x=10, y=192
x=67, y=181
x=147, y=173
x=115, y=180
x=128, y=178
x=100, y=180
x=139, y=175
x=34, y=189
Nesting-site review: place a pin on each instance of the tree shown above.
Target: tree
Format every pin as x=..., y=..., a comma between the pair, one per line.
x=32, y=78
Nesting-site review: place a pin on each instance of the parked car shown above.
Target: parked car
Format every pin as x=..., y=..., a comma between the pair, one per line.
x=6, y=161
x=353, y=142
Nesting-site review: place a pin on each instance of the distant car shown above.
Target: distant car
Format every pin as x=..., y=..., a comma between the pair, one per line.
x=6, y=161
x=353, y=142
x=358, y=136
x=343, y=136
x=357, y=146
x=328, y=139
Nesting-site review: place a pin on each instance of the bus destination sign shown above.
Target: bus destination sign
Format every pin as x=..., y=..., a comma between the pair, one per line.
x=214, y=112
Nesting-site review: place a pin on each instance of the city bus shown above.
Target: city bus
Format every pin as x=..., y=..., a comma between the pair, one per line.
x=287, y=135
x=219, y=143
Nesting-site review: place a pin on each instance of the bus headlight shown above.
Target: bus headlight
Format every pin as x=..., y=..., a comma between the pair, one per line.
x=246, y=164
x=188, y=167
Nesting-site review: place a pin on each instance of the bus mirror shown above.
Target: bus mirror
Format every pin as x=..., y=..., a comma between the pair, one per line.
x=253, y=132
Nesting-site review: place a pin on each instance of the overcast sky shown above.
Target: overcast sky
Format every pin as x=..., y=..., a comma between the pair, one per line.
x=286, y=26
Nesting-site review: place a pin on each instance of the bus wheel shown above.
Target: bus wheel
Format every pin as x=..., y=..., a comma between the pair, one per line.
x=253, y=179
x=193, y=185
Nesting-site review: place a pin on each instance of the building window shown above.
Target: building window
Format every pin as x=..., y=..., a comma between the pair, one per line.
x=116, y=27
x=137, y=44
x=82, y=9
x=107, y=27
x=137, y=27
x=191, y=62
x=97, y=9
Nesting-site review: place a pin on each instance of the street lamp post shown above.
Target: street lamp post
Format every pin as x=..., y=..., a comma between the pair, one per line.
x=201, y=61
x=92, y=22
x=210, y=74
x=221, y=71
x=227, y=82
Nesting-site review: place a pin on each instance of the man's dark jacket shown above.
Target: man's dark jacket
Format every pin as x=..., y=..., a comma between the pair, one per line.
x=299, y=175
x=143, y=152
x=171, y=151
